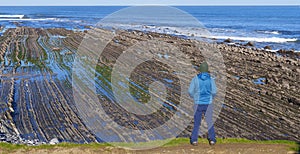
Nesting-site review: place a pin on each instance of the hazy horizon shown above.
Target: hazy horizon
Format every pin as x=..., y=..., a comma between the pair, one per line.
x=149, y=2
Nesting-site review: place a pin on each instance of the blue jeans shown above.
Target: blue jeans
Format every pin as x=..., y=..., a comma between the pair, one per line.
x=208, y=111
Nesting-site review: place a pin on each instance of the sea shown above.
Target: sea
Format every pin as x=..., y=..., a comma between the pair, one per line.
x=274, y=26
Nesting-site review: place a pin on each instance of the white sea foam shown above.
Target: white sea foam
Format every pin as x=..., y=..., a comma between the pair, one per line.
x=15, y=19
x=186, y=31
x=200, y=32
x=11, y=16
x=270, y=50
x=256, y=39
x=269, y=32
x=272, y=32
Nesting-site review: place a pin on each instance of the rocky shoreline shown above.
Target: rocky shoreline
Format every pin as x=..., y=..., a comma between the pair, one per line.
x=262, y=98
x=281, y=52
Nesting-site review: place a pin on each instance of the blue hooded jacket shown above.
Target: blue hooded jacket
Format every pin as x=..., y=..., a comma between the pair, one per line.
x=203, y=88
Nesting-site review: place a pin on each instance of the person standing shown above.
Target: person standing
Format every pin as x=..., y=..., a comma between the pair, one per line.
x=203, y=90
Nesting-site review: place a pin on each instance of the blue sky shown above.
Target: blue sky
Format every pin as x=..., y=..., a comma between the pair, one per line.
x=147, y=2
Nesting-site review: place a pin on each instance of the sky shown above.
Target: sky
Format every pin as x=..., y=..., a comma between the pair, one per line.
x=145, y=2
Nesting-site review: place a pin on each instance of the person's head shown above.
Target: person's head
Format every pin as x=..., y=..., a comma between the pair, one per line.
x=203, y=67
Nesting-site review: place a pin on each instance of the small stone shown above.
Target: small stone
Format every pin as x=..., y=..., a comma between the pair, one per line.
x=150, y=37
x=54, y=141
x=285, y=84
x=262, y=110
x=255, y=76
x=243, y=80
x=56, y=49
x=268, y=48
x=250, y=44
x=228, y=40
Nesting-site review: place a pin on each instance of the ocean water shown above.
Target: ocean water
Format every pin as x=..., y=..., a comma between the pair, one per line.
x=276, y=26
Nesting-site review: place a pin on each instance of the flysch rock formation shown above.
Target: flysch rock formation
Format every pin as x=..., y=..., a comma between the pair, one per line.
x=262, y=98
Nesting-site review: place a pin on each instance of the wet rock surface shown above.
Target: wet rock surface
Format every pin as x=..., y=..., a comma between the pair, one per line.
x=35, y=86
x=262, y=98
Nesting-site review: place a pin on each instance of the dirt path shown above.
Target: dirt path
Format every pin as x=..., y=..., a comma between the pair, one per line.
x=227, y=149
x=232, y=148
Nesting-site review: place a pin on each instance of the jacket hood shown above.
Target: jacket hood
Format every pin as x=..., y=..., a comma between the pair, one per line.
x=204, y=67
x=204, y=76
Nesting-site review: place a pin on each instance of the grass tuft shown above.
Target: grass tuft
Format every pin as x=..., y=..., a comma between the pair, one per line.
x=9, y=148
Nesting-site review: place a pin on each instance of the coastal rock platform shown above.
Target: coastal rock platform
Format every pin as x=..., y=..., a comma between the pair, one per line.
x=262, y=99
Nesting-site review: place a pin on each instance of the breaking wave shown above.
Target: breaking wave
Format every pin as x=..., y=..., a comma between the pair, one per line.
x=255, y=39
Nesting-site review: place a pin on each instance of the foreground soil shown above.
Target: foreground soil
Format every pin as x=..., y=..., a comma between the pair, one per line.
x=226, y=148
